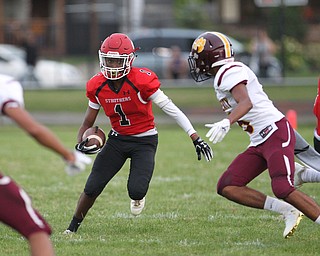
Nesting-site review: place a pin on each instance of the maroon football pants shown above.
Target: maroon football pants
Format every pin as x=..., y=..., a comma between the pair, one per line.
x=275, y=154
x=16, y=209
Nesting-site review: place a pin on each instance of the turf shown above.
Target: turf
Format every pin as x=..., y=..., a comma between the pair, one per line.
x=183, y=214
x=186, y=98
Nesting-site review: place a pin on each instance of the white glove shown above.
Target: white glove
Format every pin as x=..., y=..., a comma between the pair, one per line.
x=79, y=165
x=218, y=130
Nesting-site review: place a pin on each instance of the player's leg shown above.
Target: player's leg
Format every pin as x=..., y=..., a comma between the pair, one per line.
x=40, y=244
x=310, y=170
x=232, y=183
x=106, y=165
x=141, y=170
x=305, y=174
x=18, y=213
x=305, y=204
x=316, y=136
x=306, y=153
x=278, y=150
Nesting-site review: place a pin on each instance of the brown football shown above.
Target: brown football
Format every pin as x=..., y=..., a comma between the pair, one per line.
x=95, y=135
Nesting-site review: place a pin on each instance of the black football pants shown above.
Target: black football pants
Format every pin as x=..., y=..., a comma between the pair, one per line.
x=141, y=152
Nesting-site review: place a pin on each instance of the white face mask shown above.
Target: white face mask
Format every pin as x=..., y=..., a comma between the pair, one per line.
x=115, y=66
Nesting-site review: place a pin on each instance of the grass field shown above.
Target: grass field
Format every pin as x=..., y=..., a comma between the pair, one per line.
x=186, y=98
x=183, y=216
x=194, y=101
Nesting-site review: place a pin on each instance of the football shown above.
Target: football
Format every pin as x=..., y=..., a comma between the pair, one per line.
x=95, y=136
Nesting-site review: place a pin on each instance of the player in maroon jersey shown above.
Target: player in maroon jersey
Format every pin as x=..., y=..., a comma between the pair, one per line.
x=16, y=206
x=126, y=94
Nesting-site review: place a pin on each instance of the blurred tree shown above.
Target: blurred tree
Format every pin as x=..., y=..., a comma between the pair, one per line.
x=295, y=59
x=192, y=14
x=312, y=56
x=293, y=23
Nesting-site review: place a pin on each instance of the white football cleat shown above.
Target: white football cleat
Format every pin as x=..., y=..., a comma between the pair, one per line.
x=68, y=232
x=299, y=169
x=292, y=219
x=136, y=206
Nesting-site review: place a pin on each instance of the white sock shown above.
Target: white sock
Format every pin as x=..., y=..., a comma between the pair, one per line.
x=310, y=175
x=317, y=220
x=276, y=205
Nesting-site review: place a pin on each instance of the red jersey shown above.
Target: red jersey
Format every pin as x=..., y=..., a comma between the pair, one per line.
x=316, y=109
x=128, y=108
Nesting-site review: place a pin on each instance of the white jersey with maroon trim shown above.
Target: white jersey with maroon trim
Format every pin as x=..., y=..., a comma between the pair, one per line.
x=259, y=122
x=11, y=92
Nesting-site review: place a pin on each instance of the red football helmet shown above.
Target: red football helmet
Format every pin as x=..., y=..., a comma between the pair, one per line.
x=116, y=55
x=210, y=49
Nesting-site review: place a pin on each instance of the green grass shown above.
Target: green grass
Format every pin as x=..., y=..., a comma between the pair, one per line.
x=186, y=98
x=183, y=214
x=56, y=100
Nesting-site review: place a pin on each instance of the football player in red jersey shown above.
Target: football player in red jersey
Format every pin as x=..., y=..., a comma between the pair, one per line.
x=316, y=111
x=16, y=206
x=126, y=94
x=272, y=139
x=309, y=171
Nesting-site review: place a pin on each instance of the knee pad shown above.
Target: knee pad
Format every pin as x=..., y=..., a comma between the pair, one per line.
x=280, y=187
x=228, y=179
x=137, y=192
x=138, y=186
x=220, y=186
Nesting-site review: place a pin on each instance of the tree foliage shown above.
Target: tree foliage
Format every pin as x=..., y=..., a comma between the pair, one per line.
x=191, y=14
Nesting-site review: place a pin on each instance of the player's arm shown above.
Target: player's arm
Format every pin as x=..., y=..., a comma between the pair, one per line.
x=241, y=96
x=167, y=106
x=219, y=130
x=163, y=102
x=38, y=131
x=88, y=121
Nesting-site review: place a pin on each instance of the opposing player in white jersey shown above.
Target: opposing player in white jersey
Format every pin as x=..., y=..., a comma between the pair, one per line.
x=16, y=206
x=272, y=139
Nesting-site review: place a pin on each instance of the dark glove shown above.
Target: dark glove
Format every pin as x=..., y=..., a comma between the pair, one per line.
x=203, y=148
x=90, y=150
